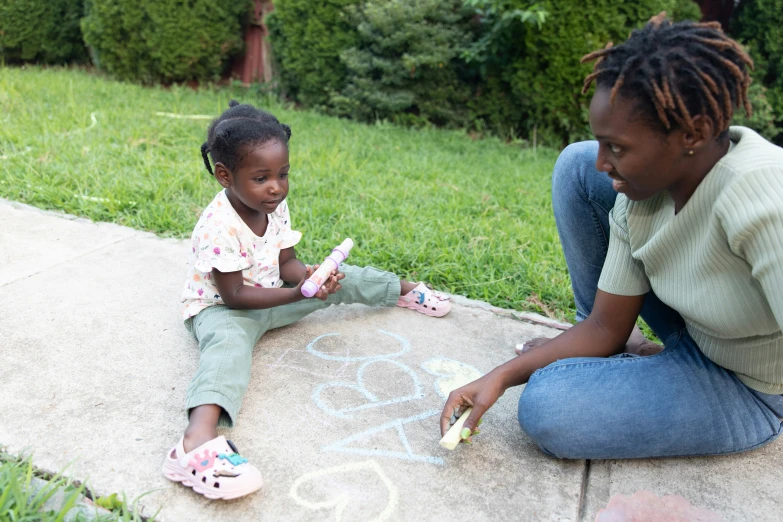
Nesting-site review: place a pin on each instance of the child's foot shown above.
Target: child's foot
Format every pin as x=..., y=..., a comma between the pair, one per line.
x=426, y=301
x=214, y=470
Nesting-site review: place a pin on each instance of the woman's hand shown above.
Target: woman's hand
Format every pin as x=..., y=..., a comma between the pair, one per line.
x=480, y=394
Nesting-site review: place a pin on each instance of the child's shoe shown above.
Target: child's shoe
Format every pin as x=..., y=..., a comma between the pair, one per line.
x=214, y=470
x=426, y=301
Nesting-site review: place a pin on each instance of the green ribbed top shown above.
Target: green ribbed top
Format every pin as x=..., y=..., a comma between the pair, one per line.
x=718, y=261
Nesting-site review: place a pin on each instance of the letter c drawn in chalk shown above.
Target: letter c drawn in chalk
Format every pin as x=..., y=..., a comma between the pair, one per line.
x=360, y=387
x=405, y=348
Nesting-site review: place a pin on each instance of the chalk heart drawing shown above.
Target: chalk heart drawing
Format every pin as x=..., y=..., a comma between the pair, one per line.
x=451, y=374
x=405, y=347
x=372, y=400
x=342, y=500
x=398, y=425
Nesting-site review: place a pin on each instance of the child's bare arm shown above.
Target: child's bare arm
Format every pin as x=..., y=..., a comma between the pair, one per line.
x=291, y=269
x=236, y=294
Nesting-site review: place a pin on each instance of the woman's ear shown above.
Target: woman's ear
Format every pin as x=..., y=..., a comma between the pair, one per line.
x=223, y=175
x=703, y=132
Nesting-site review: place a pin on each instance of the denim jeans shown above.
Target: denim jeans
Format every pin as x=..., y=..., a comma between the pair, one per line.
x=674, y=403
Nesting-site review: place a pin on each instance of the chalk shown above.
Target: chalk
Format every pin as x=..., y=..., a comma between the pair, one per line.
x=454, y=435
x=332, y=262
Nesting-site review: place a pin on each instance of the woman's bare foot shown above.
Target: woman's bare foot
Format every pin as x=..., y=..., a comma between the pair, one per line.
x=530, y=345
x=637, y=344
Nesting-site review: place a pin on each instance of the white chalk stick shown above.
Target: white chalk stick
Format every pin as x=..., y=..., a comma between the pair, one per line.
x=454, y=435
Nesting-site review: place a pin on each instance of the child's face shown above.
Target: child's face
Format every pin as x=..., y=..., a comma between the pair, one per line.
x=261, y=179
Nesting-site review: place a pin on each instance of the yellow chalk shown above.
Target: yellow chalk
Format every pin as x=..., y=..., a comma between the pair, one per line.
x=454, y=435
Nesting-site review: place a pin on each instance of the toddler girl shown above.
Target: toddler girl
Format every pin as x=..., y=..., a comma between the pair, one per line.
x=242, y=253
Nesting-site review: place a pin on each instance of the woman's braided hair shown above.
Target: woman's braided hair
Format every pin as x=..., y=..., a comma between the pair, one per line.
x=676, y=71
x=238, y=126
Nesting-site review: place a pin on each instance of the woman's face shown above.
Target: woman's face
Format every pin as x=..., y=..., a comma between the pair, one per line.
x=640, y=159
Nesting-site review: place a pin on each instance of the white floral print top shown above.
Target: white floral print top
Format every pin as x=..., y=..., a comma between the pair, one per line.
x=223, y=241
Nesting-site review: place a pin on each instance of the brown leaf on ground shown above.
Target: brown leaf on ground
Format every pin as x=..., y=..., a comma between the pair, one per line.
x=536, y=301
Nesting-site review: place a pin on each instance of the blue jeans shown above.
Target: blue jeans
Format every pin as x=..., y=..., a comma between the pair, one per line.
x=674, y=403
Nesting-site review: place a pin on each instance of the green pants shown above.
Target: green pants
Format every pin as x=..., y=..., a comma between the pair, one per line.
x=227, y=337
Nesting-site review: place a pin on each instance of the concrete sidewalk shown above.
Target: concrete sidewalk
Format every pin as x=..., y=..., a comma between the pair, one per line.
x=95, y=364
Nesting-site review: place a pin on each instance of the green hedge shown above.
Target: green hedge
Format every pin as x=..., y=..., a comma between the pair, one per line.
x=41, y=31
x=759, y=24
x=542, y=70
x=307, y=37
x=416, y=61
x=404, y=66
x=164, y=40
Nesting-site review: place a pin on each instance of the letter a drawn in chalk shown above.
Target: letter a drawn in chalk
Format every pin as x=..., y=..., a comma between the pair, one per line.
x=342, y=446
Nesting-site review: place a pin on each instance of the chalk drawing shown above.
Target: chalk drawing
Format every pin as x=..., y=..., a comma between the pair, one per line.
x=374, y=401
x=303, y=370
x=342, y=446
x=405, y=347
x=341, y=501
x=453, y=374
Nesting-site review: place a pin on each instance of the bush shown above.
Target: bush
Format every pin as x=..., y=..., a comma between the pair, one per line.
x=540, y=67
x=759, y=24
x=508, y=66
x=405, y=64
x=41, y=31
x=164, y=40
x=307, y=38
x=763, y=118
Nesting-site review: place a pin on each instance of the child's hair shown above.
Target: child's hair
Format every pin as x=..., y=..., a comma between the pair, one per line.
x=676, y=71
x=238, y=126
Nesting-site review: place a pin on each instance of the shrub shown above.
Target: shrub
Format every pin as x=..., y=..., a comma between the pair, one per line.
x=542, y=69
x=307, y=38
x=759, y=24
x=763, y=118
x=405, y=64
x=164, y=40
x=41, y=31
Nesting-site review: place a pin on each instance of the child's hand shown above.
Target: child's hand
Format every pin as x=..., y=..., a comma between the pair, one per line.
x=331, y=285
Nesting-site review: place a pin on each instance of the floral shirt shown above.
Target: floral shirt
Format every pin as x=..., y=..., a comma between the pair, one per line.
x=223, y=241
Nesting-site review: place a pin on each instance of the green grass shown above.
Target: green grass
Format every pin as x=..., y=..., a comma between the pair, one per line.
x=22, y=499
x=471, y=217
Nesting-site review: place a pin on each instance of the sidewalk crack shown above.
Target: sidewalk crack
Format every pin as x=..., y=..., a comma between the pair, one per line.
x=580, y=507
x=9, y=283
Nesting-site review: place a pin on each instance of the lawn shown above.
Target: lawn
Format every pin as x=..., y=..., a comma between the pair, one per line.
x=470, y=216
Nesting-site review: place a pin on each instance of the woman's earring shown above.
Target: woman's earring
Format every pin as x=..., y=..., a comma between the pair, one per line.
x=690, y=152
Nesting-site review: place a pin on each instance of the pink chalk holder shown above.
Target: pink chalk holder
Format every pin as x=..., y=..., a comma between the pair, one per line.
x=332, y=262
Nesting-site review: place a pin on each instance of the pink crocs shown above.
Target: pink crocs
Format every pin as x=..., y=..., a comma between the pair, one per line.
x=214, y=470
x=426, y=301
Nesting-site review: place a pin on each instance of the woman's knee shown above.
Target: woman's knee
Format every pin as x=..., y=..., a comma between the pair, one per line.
x=571, y=169
x=557, y=418
x=535, y=419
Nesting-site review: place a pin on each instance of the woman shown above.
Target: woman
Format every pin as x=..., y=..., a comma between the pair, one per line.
x=673, y=215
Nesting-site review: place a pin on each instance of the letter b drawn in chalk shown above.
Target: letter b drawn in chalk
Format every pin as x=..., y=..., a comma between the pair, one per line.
x=359, y=386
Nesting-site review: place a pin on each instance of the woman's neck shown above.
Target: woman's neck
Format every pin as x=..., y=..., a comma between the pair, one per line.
x=699, y=166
